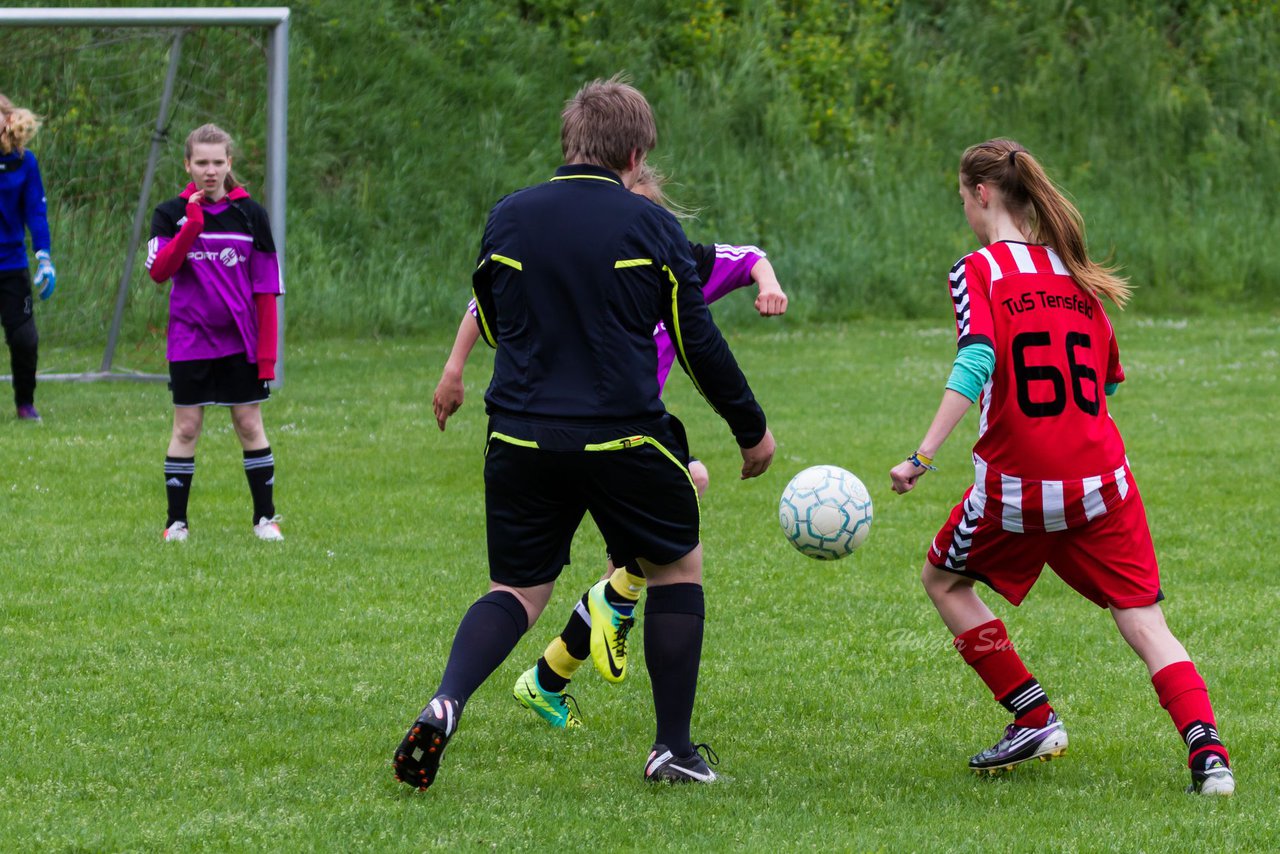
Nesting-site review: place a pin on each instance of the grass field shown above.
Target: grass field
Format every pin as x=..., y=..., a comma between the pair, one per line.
x=234, y=695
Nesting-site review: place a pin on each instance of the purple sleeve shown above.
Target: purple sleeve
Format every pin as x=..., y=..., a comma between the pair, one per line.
x=666, y=355
x=732, y=270
x=264, y=273
x=471, y=308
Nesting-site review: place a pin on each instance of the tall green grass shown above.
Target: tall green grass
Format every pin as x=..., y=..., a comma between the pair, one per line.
x=826, y=131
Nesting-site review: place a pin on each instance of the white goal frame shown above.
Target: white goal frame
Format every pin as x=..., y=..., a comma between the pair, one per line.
x=273, y=18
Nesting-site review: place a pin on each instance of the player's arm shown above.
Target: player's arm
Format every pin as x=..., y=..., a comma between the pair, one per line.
x=37, y=218
x=449, y=391
x=734, y=267
x=950, y=411
x=771, y=300
x=972, y=368
x=171, y=249
x=482, y=284
x=706, y=358
x=1115, y=371
x=264, y=278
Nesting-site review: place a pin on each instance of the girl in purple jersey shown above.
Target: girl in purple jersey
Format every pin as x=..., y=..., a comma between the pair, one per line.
x=22, y=209
x=602, y=619
x=215, y=243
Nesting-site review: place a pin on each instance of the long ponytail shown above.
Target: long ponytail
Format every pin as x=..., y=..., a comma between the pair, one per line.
x=1053, y=220
x=651, y=183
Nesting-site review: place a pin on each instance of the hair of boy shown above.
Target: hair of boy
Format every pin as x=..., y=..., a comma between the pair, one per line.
x=605, y=122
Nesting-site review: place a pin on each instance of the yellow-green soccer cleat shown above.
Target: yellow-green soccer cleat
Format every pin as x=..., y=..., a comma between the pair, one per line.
x=609, y=630
x=551, y=707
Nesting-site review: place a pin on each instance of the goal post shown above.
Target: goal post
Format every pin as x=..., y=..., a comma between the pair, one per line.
x=178, y=23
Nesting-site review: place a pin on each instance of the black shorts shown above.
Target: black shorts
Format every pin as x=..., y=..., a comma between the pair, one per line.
x=15, y=298
x=633, y=480
x=228, y=381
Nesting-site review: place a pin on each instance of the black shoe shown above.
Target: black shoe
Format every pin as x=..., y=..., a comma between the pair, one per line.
x=418, y=756
x=665, y=767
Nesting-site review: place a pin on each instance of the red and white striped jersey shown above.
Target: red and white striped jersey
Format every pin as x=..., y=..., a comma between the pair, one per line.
x=1048, y=455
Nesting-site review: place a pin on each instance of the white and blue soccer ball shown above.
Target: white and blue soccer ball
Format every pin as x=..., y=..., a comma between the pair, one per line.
x=825, y=512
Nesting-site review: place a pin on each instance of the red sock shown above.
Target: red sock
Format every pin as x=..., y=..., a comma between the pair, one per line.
x=1183, y=694
x=987, y=649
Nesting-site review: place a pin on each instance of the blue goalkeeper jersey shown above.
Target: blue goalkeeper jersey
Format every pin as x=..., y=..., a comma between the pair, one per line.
x=21, y=208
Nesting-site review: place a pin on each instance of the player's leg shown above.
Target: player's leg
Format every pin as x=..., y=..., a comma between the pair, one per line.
x=1113, y=562
x=657, y=518
x=674, y=617
x=1183, y=695
x=969, y=548
x=259, y=469
x=532, y=510
x=20, y=335
x=611, y=604
x=180, y=467
x=238, y=386
x=542, y=687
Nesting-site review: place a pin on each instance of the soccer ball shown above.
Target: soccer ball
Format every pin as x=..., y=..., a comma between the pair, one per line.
x=825, y=512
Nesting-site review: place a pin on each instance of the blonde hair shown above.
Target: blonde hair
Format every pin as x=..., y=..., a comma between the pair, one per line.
x=211, y=134
x=1053, y=220
x=18, y=127
x=651, y=183
x=605, y=122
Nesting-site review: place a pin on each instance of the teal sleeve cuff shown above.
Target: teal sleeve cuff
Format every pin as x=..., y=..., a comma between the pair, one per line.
x=1111, y=388
x=972, y=370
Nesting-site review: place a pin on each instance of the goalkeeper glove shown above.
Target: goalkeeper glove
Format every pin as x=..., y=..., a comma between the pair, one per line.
x=46, y=277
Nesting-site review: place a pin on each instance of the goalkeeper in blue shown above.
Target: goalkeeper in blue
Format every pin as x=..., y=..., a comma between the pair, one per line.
x=22, y=209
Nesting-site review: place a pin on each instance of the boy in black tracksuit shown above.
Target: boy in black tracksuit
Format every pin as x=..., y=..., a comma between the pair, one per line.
x=573, y=276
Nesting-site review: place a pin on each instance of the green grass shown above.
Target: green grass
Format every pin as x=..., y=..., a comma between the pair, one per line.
x=234, y=695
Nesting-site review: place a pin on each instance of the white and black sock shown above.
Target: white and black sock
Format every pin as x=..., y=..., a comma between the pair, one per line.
x=260, y=470
x=178, y=472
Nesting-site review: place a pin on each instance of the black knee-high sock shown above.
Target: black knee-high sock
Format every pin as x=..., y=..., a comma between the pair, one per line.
x=490, y=629
x=260, y=470
x=178, y=472
x=673, y=620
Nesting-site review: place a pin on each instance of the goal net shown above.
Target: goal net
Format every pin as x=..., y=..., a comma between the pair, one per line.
x=118, y=91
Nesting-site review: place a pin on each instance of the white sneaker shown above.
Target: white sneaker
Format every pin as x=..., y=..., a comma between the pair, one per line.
x=268, y=529
x=176, y=533
x=1215, y=779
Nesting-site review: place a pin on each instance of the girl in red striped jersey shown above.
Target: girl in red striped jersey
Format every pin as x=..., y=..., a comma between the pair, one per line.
x=1052, y=484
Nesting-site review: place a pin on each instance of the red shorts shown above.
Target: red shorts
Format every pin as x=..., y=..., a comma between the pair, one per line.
x=1109, y=561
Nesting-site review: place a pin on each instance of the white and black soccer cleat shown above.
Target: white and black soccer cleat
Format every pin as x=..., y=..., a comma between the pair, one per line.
x=664, y=766
x=1214, y=779
x=418, y=757
x=1021, y=743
